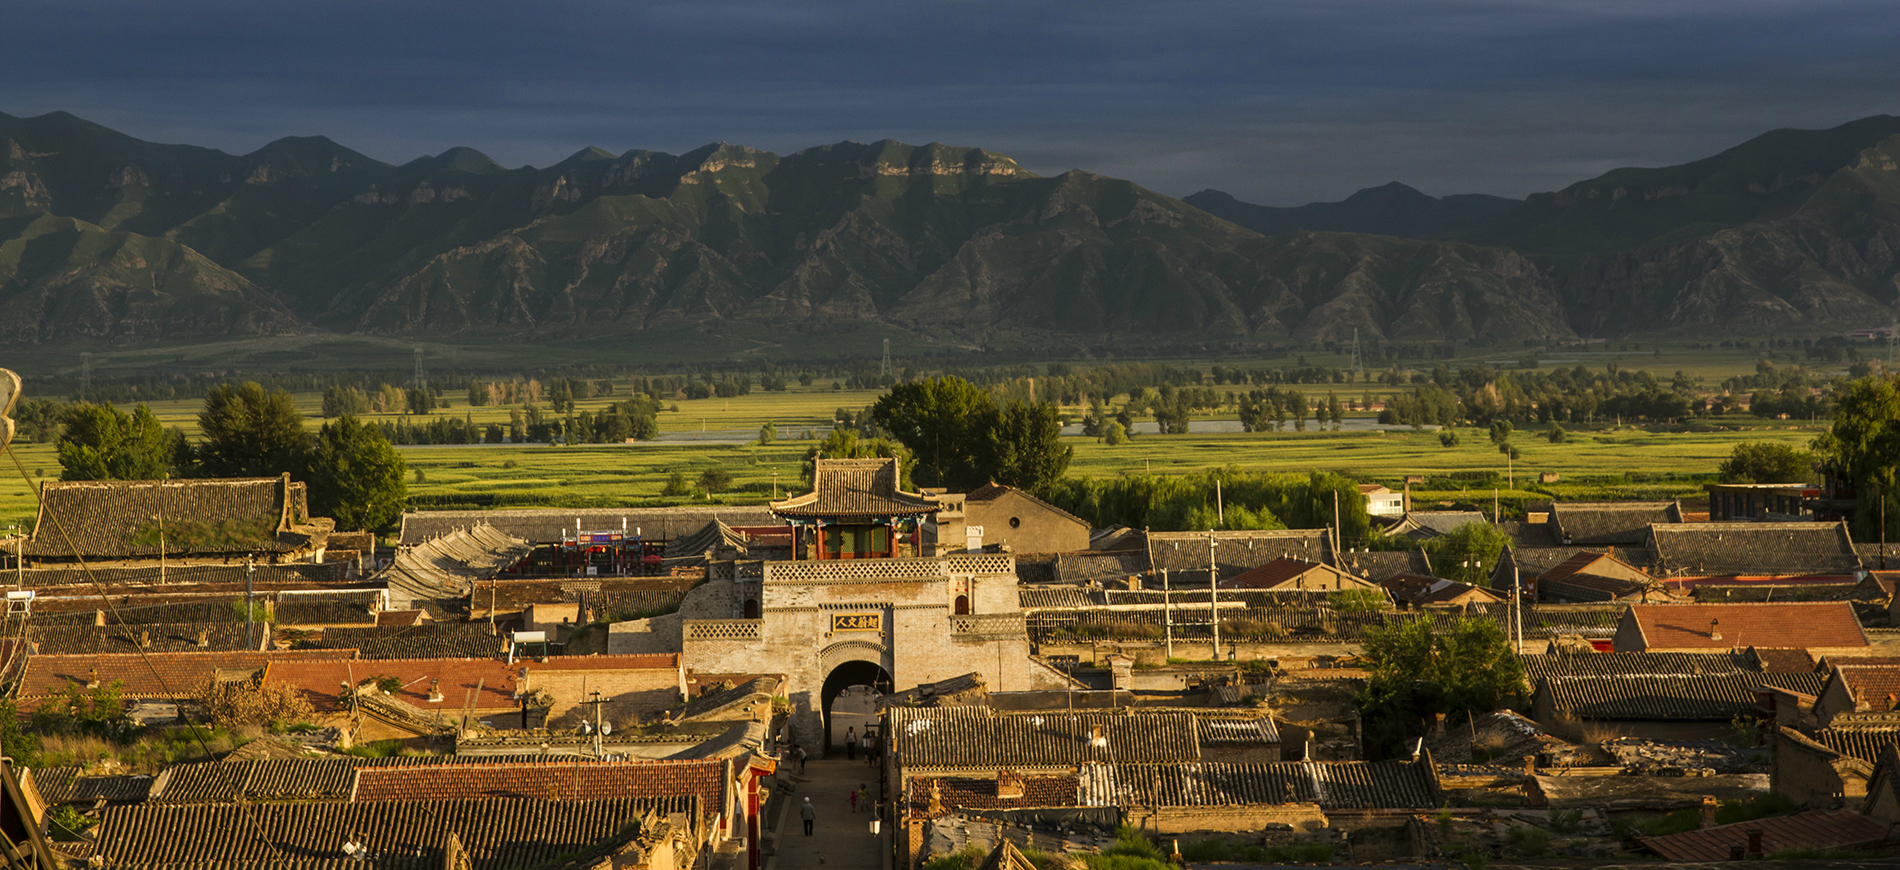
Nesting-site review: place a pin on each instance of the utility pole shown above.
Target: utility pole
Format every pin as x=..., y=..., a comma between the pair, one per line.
x=1335, y=525
x=1220, y=510
x=1167, y=612
x=1213, y=592
x=250, y=569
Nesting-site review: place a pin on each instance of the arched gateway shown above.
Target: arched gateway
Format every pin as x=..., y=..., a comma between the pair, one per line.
x=867, y=598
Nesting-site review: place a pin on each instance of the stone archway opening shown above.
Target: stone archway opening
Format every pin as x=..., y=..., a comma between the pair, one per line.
x=847, y=699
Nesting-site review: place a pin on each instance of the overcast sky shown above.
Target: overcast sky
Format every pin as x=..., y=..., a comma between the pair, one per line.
x=1277, y=102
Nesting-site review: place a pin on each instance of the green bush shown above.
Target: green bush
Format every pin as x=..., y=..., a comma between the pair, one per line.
x=67, y=824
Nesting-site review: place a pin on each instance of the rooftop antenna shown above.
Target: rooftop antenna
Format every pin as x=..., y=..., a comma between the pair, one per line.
x=421, y=384
x=1358, y=362
x=884, y=370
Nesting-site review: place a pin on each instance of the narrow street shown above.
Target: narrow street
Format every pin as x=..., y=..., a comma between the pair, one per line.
x=841, y=839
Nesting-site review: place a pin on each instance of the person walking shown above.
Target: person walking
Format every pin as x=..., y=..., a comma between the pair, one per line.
x=806, y=812
x=864, y=791
x=854, y=802
x=851, y=744
x=799, y=753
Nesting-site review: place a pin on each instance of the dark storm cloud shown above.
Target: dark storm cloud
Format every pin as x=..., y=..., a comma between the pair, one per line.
x=1276, y=102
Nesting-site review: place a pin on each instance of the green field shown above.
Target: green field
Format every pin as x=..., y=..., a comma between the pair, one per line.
x=1601, y=462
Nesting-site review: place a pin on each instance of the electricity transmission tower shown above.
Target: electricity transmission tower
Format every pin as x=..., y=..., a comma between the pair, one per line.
x=421, y=384
x=1358, y=362
x=884, y=370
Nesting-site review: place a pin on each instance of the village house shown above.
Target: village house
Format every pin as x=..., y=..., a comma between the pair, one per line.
x=995, y=515
x=1381, y=501
x=1586, y=524
x=1657, y=706
x=148, y=523
x=1414, y=590
x=1596, y=577
x=1819, y=627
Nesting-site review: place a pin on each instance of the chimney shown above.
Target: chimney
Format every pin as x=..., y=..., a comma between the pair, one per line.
x=1715, y=629
x=92, y=678
x=1709, y=803
x=1009, y=785
x=435, y=690
x=1754, y=843
x=1530, y=765
x=98, y=618
x=145, y=640
x=204, y=639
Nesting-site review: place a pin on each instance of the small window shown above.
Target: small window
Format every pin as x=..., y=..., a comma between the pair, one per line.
x=963, y=605
x=1015, y=522
x=751, y=609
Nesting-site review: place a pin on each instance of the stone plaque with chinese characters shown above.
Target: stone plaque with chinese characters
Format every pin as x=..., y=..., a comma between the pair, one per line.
x=856, y=622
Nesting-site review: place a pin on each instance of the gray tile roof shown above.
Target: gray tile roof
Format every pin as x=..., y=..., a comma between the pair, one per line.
x=1755, y=548
x=448, y=565
x=65, y=785
x=1332, y=785
x=1862, y=743
x=1673, y=697
x=153, y=637
x=855, y=488
x=1621, y=523
x=1538, y=667
x=497, y=834
x=429, y=640
x=123, y=518
x=1184, y=555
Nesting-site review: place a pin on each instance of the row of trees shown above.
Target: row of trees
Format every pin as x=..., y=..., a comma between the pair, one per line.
x=1224, y=499
x=354, y=474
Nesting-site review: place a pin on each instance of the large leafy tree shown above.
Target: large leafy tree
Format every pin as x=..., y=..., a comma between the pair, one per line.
x=249, y=432
x=1767, y=462
x=944, y=421
x=104, y=443
x=962, y=440
x=1025, y=449
x=1415, y=672
x=356, y=476
x=845, y=443
x=1467, y=554
x=1862, y=448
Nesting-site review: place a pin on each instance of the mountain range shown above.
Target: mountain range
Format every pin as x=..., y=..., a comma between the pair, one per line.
x=104, y=237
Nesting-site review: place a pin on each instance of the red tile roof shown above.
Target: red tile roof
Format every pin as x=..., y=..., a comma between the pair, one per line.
x=1811, y=625
x=321, y=681
x=1819, y=829
x=589, y=780
x=156, y=674
x=1877, y=686
x=1271, y=574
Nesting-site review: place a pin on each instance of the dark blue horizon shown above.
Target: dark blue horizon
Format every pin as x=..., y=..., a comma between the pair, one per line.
x=1276, y=103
